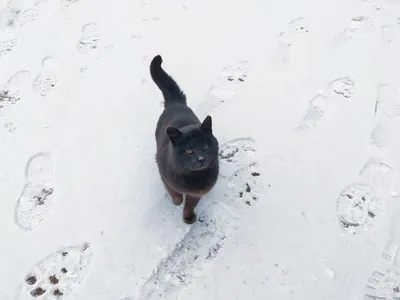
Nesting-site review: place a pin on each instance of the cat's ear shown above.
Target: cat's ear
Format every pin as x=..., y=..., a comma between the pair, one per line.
x=173, y=133
x=206, y=126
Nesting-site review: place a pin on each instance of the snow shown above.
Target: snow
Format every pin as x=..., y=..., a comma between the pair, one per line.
x=305, y=100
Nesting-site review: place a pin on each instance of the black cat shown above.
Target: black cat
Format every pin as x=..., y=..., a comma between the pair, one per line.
x=187, y=150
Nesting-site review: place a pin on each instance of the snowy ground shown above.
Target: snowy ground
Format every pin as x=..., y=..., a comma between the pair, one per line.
x=305, y=99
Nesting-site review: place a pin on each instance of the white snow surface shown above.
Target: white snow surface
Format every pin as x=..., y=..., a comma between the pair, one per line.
x=305, y=100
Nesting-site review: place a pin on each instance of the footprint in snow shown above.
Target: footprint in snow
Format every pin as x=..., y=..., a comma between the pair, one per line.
x=13, y=89
x=392, y=253
x=388, y=101
x=57, y=275
x=383, y=285
x=37, y=195
x=27, y=16
x=239, y=168
x=8, y=34
x=48, y=78
x=227, y=83
x=325, y=105
x=11, y=93
x=379, y=175
x=387, y=109
x=358, y=208
x=381, y=136
x=236, y=154
x=8, y=19
x=90, y=40
x=291, y=39
x=357, y=27
x=245, y=187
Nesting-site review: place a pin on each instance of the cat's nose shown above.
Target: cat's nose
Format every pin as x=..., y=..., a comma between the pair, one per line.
x=201, y=158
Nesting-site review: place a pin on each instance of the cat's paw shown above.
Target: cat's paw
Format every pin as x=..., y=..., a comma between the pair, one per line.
x=177, y=200
x=189, y=218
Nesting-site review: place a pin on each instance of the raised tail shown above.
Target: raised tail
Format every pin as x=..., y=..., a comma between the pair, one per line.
x=171, y=91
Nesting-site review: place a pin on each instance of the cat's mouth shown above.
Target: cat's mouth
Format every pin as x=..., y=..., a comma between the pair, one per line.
x=204, y=166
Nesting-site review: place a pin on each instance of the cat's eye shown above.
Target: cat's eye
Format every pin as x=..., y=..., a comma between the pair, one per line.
x=188, y=151
x=205, y=147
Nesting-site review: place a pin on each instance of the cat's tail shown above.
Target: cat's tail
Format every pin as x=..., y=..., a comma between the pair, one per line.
x=171, y=91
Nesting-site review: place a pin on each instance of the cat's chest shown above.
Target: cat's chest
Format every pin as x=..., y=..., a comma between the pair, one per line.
x=199, y=182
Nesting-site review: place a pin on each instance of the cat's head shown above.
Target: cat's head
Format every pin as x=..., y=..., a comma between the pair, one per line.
x=193, y=147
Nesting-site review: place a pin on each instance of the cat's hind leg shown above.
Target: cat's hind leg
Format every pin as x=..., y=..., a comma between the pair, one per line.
x=189, y=217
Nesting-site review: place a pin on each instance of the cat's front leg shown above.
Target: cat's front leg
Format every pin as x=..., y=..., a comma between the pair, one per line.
x=177, y=198
x=189, y=217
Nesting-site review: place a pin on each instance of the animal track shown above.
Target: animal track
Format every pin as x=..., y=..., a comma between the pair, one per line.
x=90, y=39
x=379, y=175
x=37, y=196
x=383, y=286
x=48, y=79
x=58, y=275
x=357, y=27
x=289, y=39
x=190, y=256
x=326, y=104
x=228, y=82
x=358, y=208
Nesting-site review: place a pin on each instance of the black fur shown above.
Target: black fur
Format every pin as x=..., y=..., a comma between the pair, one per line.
x=169, y=88
x=187, y=150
